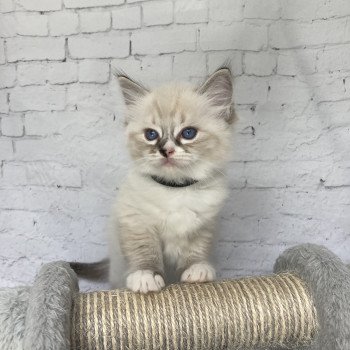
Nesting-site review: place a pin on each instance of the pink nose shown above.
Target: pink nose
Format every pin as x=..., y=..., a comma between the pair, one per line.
x=170, y=152
x=167, y=153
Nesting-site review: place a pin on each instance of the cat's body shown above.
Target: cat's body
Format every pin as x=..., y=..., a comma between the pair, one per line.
x=182, y=221
x=166, y=212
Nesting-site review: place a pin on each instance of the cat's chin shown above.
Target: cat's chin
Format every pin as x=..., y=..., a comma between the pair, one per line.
x=168, y=162
x=176, y=170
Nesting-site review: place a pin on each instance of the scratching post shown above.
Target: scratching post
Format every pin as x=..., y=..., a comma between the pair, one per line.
x=245, y=313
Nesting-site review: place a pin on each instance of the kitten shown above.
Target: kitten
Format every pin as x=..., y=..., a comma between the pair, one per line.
x=179, y=139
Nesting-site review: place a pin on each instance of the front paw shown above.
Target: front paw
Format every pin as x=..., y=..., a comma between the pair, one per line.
x=144, y=281
x=200, y=272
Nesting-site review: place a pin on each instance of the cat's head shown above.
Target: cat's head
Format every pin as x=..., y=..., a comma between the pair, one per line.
x=179, y=131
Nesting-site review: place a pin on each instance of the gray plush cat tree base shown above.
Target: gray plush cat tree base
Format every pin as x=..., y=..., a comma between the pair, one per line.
x=305, y=306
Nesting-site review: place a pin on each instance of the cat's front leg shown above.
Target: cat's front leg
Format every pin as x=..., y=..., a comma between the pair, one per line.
x=195, y=261
x=143, y=253
x=144, y=281
x=199, y=272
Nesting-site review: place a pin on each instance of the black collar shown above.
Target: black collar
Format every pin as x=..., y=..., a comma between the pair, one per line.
x=161, y=181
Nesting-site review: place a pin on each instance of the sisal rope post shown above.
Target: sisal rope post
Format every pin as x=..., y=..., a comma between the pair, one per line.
x=261, y=311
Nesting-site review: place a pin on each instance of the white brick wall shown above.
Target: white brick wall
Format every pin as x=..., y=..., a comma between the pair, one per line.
x=94, y=21
x=127, y=18
x=31, y=49
x=63, y=23
x=157, y=12
x=62, y=152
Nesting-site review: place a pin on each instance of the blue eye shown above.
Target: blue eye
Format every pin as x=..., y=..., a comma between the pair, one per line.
x=189, y=133
x=151, y=134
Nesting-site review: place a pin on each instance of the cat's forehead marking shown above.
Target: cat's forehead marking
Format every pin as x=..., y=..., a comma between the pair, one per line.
x=166, y=107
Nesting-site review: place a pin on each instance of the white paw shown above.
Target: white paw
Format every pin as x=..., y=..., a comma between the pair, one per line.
x=144, y=281
x=201, y=272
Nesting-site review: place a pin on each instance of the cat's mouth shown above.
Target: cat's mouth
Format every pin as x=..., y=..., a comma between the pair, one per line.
x=168, y=162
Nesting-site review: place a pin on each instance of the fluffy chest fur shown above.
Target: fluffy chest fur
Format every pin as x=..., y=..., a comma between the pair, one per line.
x=171, y=211
x=176, y=215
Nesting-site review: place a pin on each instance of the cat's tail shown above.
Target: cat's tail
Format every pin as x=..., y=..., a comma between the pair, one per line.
x=92, y=271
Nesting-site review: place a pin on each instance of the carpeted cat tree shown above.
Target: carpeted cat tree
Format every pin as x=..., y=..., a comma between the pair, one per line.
x=304, y=305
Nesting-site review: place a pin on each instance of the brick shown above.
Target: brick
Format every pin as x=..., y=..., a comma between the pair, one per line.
x=29, y=199
x=10, y=218
x=225, y=10
x=8, y=25
x=93, y=71
x=12, y=126
x=255, y=203
x=2, y=52
x=334, y=8
x=296, y=62
x=40, y=123
x=248, y=257
x=39, y=5
x=250, y=90
x=90, y=3
x=236, y=176
x=189, y=64
x=305, y=34
x=67, y=123
x=234, y=59
x=31, y=73
x=156, y=70
x=31, y=24
x=195, y=11
x=339, y=176
x=42, y=149
x=288, y=90
x=329, y=87
x=14, y=174
x=63, y=23
x=334, y=114
x=91, y=22
x=260, y=63
x=316, y=9
x=157, y=13
x=99, y=46
x=52, y=174
x=29, y=49
x=276, y=175
x=126, y=18
x=7, y=76
x=6, y=150
x=299, y=10
x=170, y=40
x=4, y=108
x=37, y=98
x=268, y=9
x=130, y=65
x=86, y=97
x=231, y=38
x=7, y=6
x=304, y=230
x=62, y=72
x=333, y=59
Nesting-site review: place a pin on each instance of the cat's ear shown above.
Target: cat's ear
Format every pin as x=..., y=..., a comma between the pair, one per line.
x=218, y=89
x=132, y=91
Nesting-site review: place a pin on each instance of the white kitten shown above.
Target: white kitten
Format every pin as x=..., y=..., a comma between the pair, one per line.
x=179, y=138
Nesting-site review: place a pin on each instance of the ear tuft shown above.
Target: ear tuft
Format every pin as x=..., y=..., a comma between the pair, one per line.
x=218, y=88
x=132, y=91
